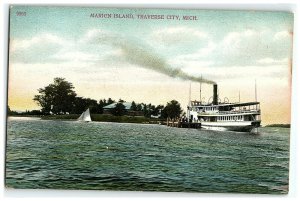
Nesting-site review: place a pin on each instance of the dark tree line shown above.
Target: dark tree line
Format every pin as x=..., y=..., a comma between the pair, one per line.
x=60, y=98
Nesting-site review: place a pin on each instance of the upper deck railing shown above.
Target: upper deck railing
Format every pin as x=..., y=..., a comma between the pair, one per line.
x=199, y=104
x=227, y=112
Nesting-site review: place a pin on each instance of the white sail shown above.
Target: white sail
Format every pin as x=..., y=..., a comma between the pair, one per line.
x=85, y=116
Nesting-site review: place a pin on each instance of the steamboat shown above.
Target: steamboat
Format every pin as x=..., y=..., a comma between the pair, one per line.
x=225, y=116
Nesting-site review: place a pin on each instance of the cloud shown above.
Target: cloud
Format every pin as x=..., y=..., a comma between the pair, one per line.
x=250, y=47
x=95, y=46
x=42, y=39
x=271, y=61
x=178, y=35
x=50, y=48
x=245, y=48
x=75, y=56
x=39, y=48
x=202, y=52
x=282, y=35
x=229, y=73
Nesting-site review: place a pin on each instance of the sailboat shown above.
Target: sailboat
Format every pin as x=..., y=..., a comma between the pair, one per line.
x=85, y=116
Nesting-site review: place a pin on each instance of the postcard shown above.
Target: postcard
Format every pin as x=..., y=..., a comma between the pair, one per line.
x=167, y=100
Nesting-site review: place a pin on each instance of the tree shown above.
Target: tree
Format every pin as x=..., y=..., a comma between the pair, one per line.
x=121, y=101
x=101, y=104
x=145, y=110
x=119, y=109
x=81, y=104
x=133, y=106
x=92, y=104
x=172, y=109
x=139, y=107
x=110, y=101
x=57, y=97
x=157, y=110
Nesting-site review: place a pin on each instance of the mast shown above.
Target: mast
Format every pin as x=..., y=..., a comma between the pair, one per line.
x=190, y=92
x=255, y=92
x=189, y=105
x=200, y=90
x=239, y=96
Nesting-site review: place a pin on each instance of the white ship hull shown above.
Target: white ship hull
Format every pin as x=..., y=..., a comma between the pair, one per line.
x=243, y=126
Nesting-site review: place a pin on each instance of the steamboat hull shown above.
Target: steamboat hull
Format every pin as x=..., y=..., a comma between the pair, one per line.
x=231, y=126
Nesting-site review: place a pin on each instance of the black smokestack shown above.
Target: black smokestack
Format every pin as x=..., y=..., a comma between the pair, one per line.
x=215, y=97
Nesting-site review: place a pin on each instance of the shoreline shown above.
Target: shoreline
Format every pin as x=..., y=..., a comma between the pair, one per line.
x=118, y=119
x=98, y=118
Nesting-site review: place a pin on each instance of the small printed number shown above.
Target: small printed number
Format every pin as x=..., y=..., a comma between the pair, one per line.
x=19, y=13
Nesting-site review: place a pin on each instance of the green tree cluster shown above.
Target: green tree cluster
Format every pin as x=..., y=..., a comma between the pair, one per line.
x=119, y=109
x=60, y=98
x=172, y=110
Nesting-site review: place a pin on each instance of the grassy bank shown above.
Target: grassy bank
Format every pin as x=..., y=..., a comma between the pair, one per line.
x=105, y=118
x=61, y=117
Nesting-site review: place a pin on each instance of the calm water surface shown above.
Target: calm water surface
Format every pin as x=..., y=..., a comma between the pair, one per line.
x=112, y=156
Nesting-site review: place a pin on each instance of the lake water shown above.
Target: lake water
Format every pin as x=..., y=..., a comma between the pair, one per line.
x=139, y=157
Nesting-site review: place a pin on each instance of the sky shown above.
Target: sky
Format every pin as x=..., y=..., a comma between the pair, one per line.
x=153, y=60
